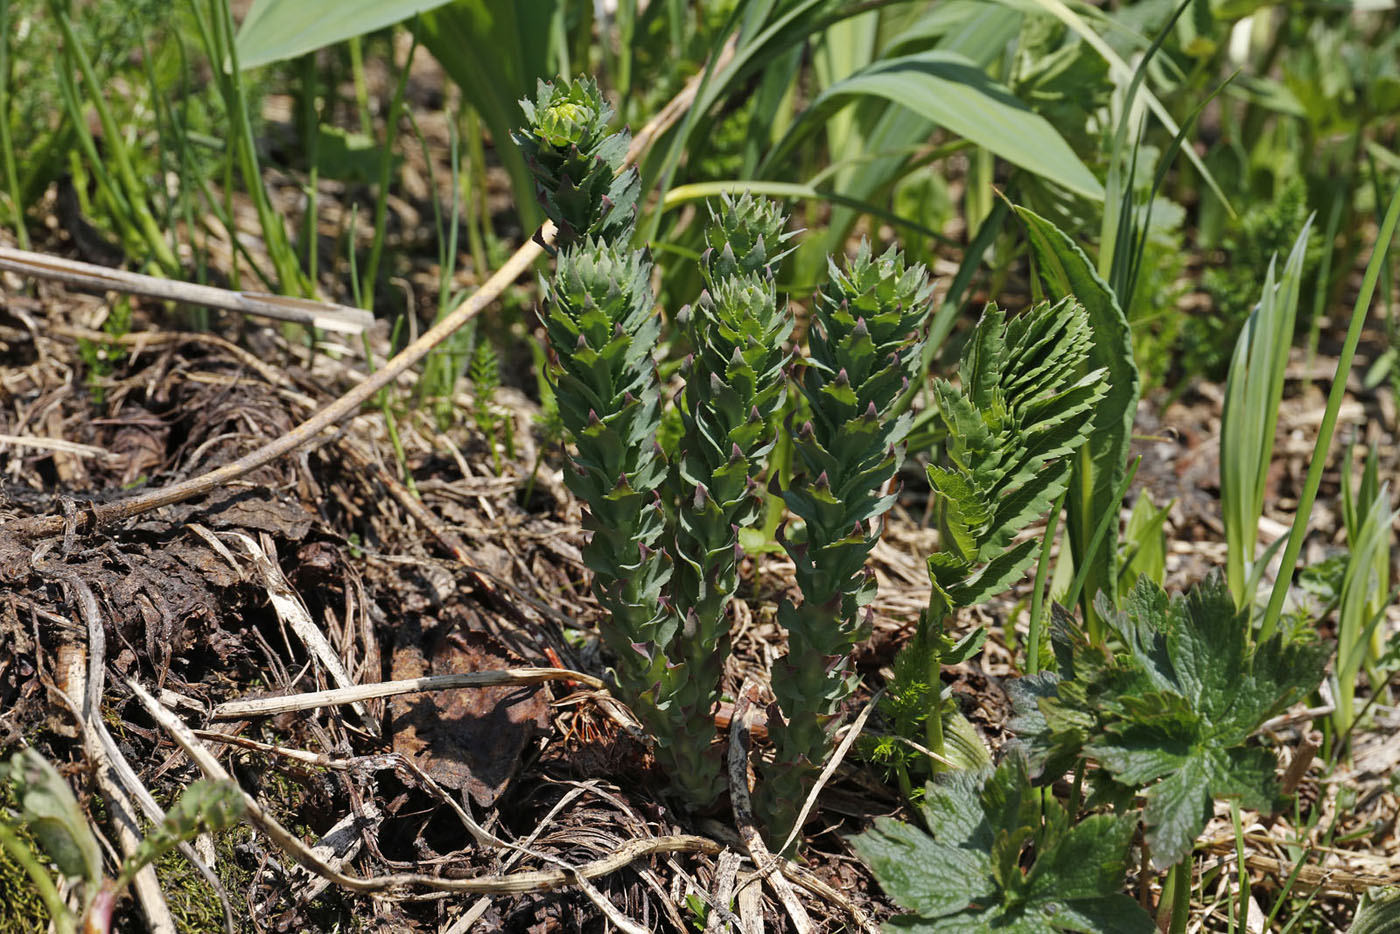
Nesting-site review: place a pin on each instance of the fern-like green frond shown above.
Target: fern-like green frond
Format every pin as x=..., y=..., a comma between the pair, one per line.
x=1021, y=408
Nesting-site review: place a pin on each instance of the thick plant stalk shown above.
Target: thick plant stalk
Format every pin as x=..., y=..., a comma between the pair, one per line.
x=734, y=390
x=864, y=350
x=602, y=327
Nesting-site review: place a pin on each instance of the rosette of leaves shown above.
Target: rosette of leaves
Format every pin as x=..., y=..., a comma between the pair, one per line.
x=1172, y=710
x=601, y=328
x=998, y=857
x=745, y=235
x=734, y=388
x=864, y=350
x=576, y=163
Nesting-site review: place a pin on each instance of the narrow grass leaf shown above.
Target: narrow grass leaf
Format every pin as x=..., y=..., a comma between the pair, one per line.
x=1379, y=255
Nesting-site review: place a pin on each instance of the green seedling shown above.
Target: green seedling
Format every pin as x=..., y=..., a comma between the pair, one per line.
x=577, y=163
x=1253, y=391
x=51, y=816
x=1022, y=408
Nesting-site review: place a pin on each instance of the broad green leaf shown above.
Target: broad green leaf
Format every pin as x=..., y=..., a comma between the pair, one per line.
x=914, y=870
x=1173, y=710
x=950, y=90
x=879, y=157
x=275, y=30
x=965, y=873
x=1099, y=468
x=1124, y=73
x=1087, y=862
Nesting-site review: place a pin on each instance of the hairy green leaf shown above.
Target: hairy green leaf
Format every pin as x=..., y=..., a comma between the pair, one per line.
x=1378, y=913
x=1173, y=710
x=964, y=872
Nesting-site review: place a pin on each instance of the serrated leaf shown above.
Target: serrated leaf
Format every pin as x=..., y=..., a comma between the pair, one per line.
x=1066, y=271
x=1023, y=405
x=1173, y=710
x=964, y=873
x=914, y=869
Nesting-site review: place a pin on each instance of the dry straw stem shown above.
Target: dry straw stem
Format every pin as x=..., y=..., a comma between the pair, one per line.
x=116, y=779
x=832, y=763
x=743, y=810
x=98, y=515
x=327, y=316
x=268, y=706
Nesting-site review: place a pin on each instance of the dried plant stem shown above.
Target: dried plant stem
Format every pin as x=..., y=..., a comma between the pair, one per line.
x=324, y=315
x=115, y=777
x=97, y=516
x=743, y=810
x=516, y=882
x=268, y=706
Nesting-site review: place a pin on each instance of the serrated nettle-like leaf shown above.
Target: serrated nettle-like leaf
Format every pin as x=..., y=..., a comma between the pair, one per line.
x=964, y=872
x=1175, y=707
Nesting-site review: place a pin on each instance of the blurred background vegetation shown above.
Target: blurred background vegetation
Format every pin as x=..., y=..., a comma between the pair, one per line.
x=332, y=148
